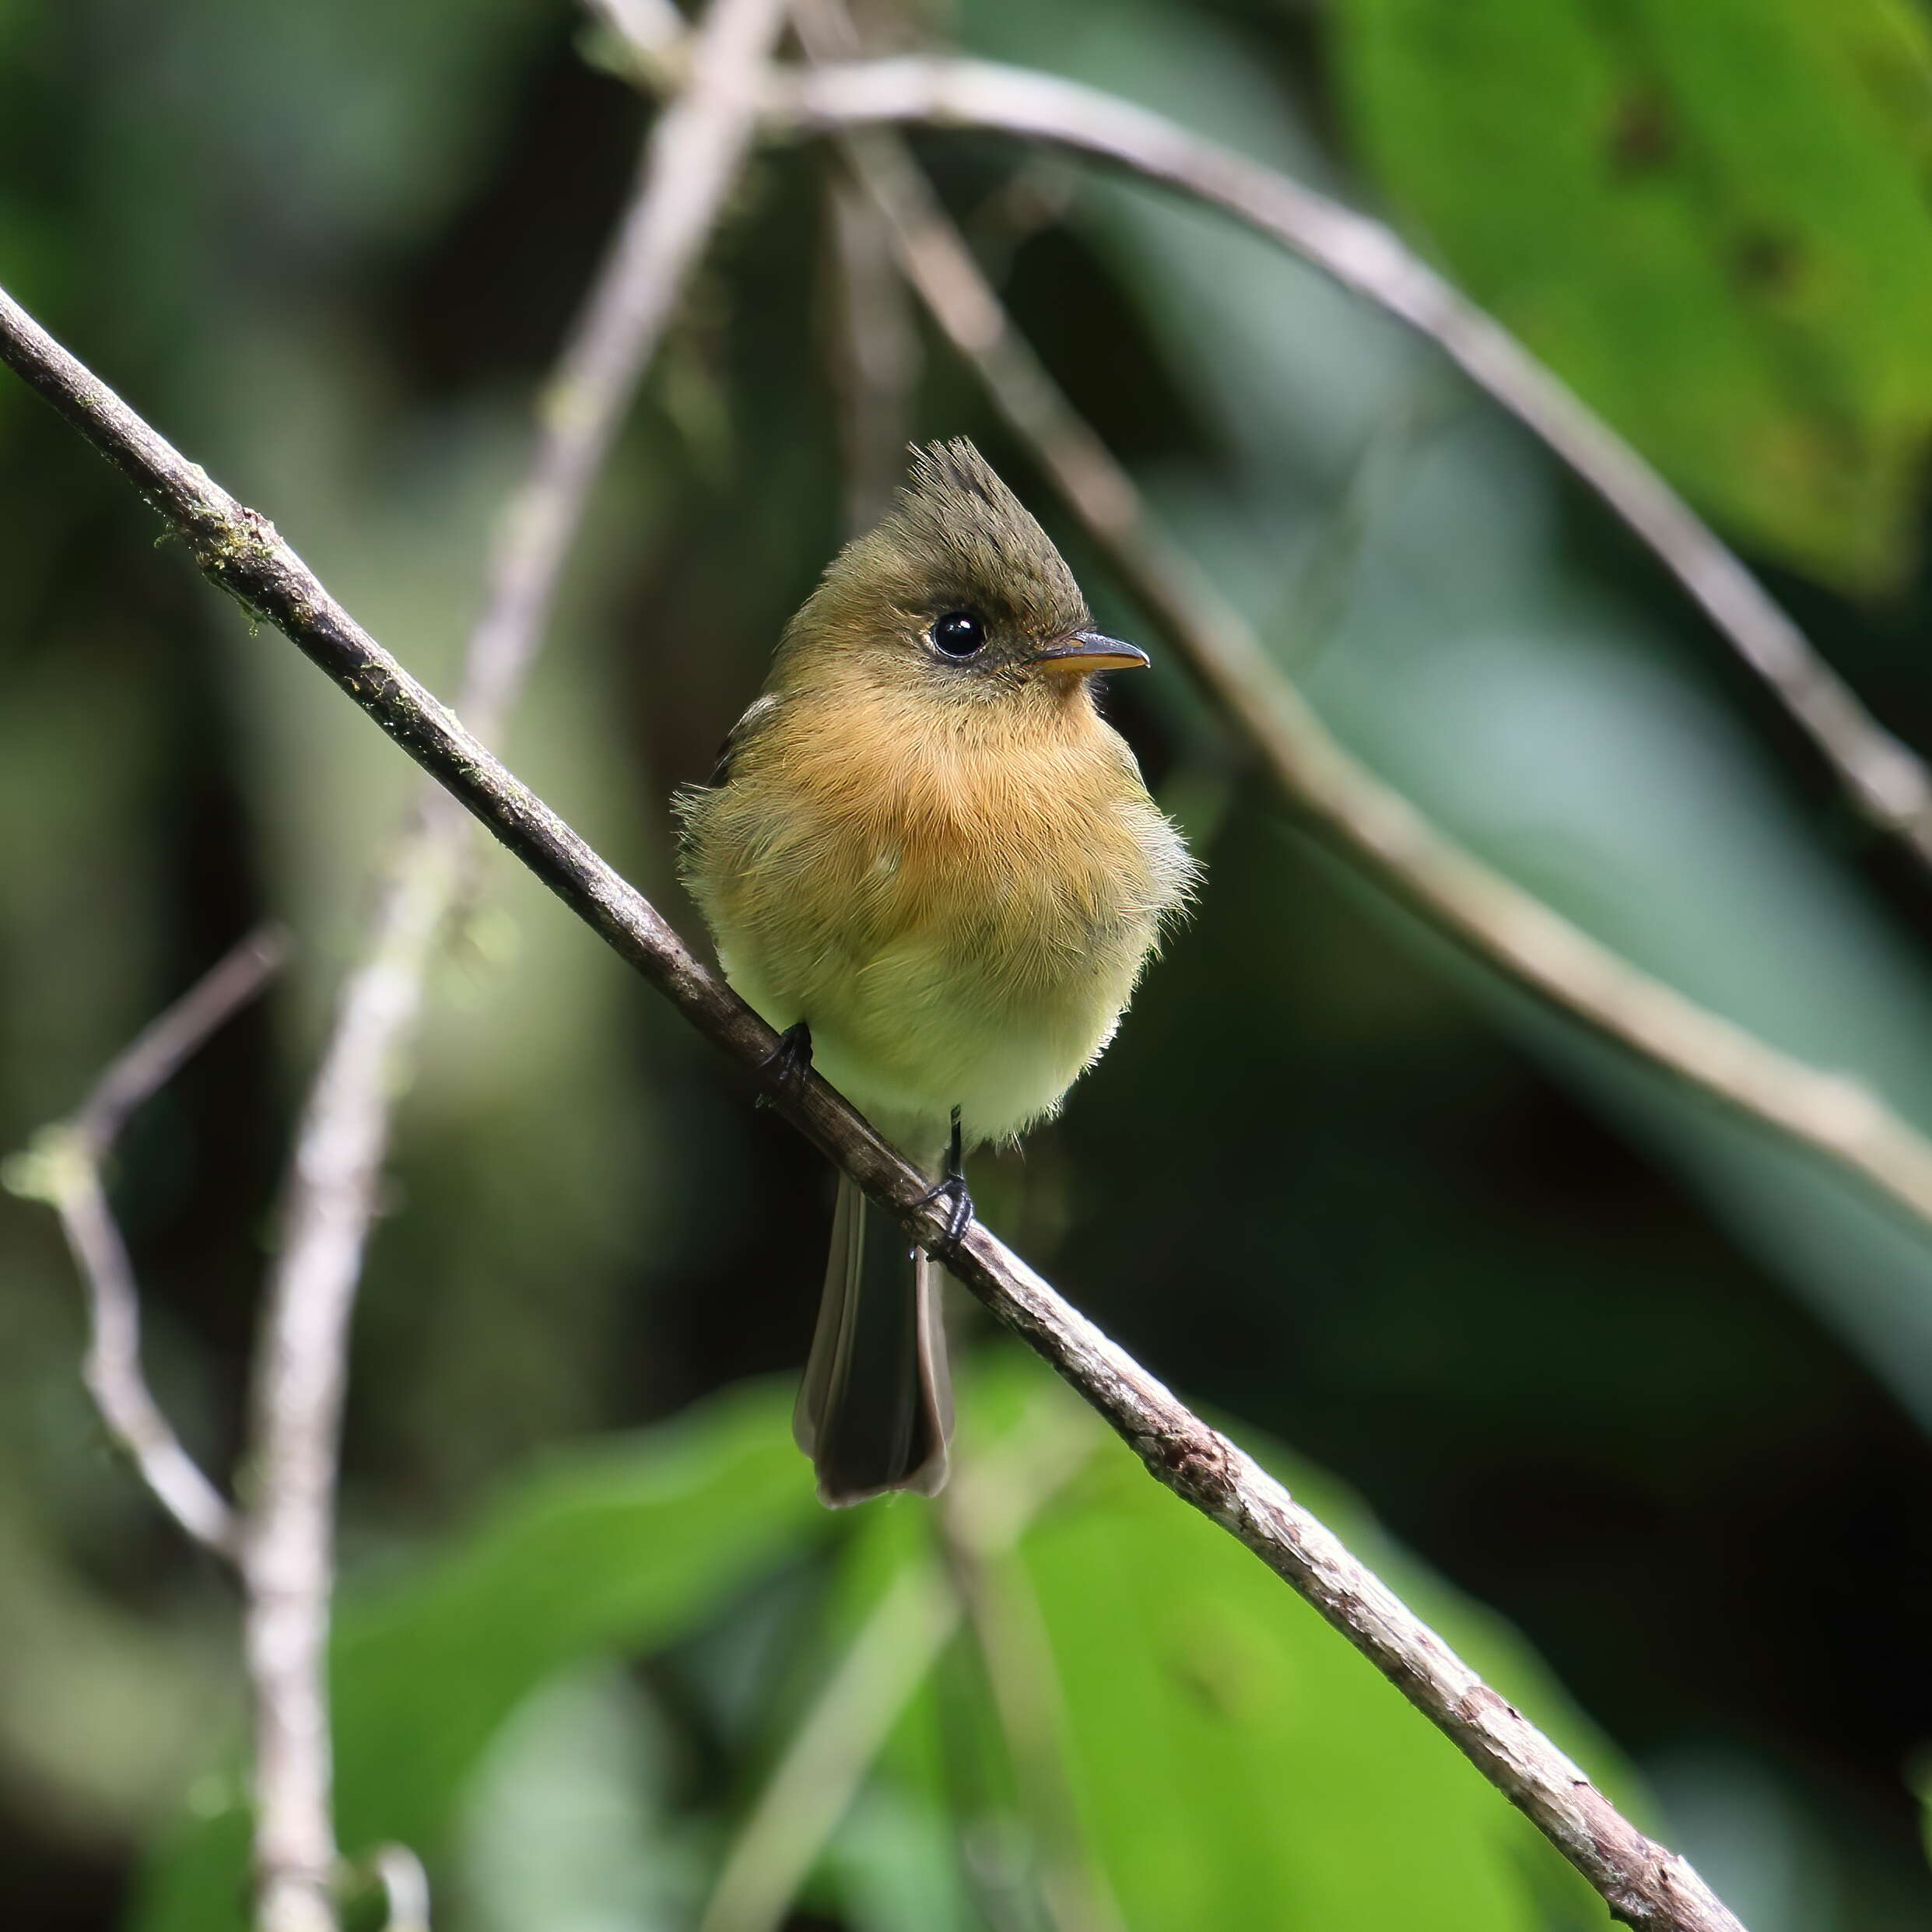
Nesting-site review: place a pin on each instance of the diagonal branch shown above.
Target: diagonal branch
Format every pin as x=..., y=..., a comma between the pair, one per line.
x=1887, y=782
x=690, y=161
x=239, y=550
x=65, y=1168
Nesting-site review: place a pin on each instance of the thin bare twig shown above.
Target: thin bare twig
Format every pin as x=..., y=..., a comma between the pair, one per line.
x=875, y=356
x=167, y=1043
x=813, y=1784
x=405, y=1889
x=1373, y=826
x=1887, y=784
x=1016, y=1655
x=240, y=552
x=64, y=1168
x=653, y=29
x=692, y=158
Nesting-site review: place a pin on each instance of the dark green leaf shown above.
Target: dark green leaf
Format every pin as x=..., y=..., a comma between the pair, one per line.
x=626, y=1546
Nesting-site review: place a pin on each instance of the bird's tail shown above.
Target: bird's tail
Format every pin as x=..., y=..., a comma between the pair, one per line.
x=875, y=1411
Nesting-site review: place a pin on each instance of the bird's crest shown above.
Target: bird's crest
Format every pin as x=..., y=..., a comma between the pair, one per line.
x=957, y=521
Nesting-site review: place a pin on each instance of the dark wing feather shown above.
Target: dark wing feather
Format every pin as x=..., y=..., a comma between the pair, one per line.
x=741, y=734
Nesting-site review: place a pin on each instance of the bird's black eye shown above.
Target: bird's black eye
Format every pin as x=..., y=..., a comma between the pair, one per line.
x=958, y=633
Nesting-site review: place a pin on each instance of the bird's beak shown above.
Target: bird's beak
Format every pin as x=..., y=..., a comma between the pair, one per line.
x=1088, y=650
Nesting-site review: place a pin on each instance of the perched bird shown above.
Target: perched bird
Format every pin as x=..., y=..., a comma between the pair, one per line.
x=928, y=862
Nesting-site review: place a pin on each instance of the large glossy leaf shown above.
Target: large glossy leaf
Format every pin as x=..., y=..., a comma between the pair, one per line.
x=1710, y=219
x=623, y=1547
x=1234, y=1762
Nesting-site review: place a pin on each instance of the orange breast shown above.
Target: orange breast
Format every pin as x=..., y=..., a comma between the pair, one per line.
x=1018, y=844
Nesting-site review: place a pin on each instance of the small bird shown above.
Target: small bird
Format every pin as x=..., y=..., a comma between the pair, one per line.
x=932, y=867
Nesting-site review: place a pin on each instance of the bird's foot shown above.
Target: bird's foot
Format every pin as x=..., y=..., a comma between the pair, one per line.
x=959, y=1205
x=952, y=1190
x=788, y=1062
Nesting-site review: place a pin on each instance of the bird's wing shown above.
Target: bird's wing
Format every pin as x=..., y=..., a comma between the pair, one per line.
x=760, y=714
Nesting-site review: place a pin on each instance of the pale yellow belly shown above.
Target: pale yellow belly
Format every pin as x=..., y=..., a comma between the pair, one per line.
x=924, y=1026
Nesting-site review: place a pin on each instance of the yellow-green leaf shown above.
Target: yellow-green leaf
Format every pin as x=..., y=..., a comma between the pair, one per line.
x=1712, y=220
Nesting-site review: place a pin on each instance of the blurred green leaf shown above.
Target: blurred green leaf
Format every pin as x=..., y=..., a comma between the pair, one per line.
x=626, y=1546
x=1710, y=219
x=1918, y=1776
x=571, y=1824
x=1235, y=1762
x=1238, y=1763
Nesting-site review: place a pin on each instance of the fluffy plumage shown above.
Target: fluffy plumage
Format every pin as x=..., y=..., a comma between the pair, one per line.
x=947, y=866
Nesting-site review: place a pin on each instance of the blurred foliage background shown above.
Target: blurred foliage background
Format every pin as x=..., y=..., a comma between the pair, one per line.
x=1633, y=1404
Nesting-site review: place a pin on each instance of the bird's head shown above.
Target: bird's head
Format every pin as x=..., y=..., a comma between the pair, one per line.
x=957, y=595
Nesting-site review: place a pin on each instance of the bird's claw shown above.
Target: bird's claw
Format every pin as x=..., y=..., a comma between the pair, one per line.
x=788, y=1062
x=951, y=1189
x=958, y=1205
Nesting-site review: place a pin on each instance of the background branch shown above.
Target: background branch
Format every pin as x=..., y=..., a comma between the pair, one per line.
x=1373, y=826
x=1029, y=1706
x=405, y=1889
x=66, y=1167
x=1887, y=784
x=692, y=157
x=819, y=1772
x=238, y=549
x=875, y=355
x=815, y=1780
